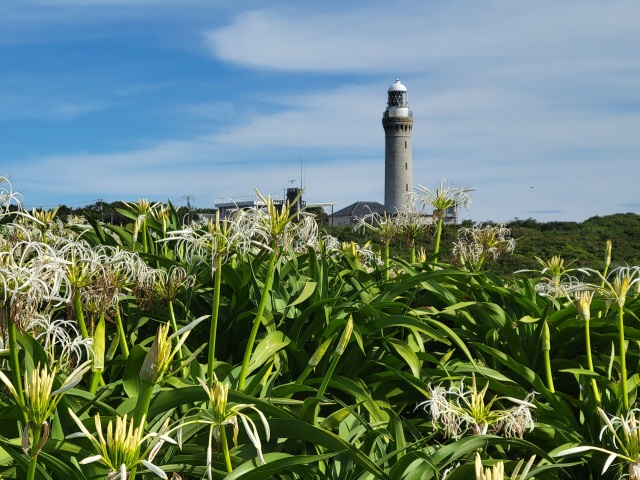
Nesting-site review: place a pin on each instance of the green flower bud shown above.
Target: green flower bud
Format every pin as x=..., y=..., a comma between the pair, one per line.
x=546, y=337
x=346, y=336
x=158, y=357
x=319, y=353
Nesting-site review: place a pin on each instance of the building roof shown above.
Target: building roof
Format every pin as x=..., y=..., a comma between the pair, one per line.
x=360, y=209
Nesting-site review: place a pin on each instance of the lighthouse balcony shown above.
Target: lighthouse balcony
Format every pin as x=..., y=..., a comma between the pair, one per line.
x=399, y=112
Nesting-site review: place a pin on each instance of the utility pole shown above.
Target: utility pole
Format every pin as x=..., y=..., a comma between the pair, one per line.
x=189, y=198
x=101, y=201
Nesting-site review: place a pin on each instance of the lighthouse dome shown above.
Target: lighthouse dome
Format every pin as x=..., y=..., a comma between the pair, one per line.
x=397, y=86
x=398, y=100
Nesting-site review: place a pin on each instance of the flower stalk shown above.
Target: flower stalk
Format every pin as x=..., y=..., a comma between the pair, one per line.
x=546, y=348
x=582, y=301
x=268, y=284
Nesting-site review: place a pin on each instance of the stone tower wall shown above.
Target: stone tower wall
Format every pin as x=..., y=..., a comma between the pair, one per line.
x=398, y=176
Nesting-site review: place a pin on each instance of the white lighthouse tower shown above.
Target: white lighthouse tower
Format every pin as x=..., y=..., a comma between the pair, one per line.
x=397, y=122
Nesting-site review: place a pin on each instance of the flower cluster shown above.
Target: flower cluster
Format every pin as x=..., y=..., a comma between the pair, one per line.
x=461, y=409
x=477, y=243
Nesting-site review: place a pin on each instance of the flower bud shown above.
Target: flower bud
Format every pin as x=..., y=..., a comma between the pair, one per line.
x=546, y=337
x=319, y=353
x=346, y=336
x=98, y=346
x=158, y=357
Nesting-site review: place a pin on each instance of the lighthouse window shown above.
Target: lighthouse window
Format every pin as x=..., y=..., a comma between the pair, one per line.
x=397, y=99
x=406, y=188
x=405, y=144
x=405, y=166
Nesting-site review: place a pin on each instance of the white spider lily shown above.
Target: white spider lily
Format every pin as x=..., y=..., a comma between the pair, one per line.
x=461, y=409
x=215, y=242
x=40, y=401
x=444, y=197
x=625, y=432
x=221, y=414
x=61, y=340
x=387, y=226
x=121, y=448
x=143, y=209
x=167, y=284
x=480, y=242
x=9, y=198
x=617, y=285
x=32, y=272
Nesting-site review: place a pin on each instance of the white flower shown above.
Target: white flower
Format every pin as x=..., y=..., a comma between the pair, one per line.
x=222, y=413
x=61, y=340
x=461, y=409
x=625, y=432
x=121, y=447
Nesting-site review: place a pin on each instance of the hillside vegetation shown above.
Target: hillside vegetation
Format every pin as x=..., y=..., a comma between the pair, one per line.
x=580, y=242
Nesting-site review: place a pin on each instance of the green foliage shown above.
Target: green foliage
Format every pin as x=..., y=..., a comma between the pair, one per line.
x=322, y=361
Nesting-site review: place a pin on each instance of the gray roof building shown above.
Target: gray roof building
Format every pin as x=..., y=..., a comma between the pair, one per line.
x=349, y=214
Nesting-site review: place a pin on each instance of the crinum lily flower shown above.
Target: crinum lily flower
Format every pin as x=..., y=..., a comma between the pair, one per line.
x=121, y=448
x=461, y=409
x=40, y=401
x=221, y=414
x=625, y=432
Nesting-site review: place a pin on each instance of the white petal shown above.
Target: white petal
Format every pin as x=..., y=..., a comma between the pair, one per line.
x=154, y=451
x=188, y=328
x=74, y=378
x=91, y=459
x=265, y=423
x=154, y=469
x=253, y=436
x=8, y=383
x=609, y=461
x=573, y=450
x=168, y=439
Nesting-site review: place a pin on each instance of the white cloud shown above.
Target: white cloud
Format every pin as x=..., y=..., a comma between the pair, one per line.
x=416, y=36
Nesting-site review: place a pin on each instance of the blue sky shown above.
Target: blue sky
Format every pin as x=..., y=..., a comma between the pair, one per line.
x=536, y=104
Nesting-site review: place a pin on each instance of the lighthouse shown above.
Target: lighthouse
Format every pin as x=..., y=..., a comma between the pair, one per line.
x=397, y=122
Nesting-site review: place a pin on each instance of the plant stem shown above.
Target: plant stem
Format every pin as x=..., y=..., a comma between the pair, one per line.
x=33, y=462
x=213, y=332
x=14, y=361
x=547, y=369
x=587, y=334
x=33, y=466
x=546, y=348
x=327, y=376
x=77, y=304
x=386, y=261
x=623, y=359
x=256, y=323
x=225, y=448
x=438, y=235
x=145, y=249
x=142, y=404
